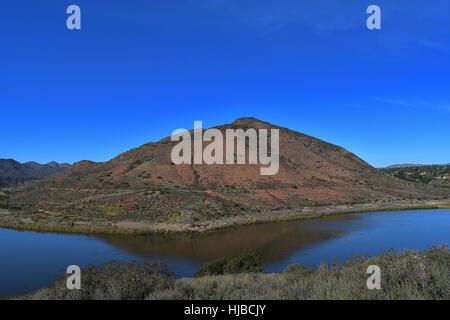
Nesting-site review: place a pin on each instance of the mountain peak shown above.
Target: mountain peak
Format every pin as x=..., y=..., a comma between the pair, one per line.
x=246, y=119
x=251, y=121
x=53, y=164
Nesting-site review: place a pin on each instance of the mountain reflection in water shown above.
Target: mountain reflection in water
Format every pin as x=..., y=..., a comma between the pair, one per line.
x=273, y=241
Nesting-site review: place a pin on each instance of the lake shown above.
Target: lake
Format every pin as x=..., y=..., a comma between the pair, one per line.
x=29, y=260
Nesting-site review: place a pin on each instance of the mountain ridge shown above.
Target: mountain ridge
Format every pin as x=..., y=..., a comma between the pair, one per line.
x=13, y=172
x=410, y=165
x=144, y=184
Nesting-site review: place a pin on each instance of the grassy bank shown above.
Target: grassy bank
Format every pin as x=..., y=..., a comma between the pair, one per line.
x=408, y=275
x=71, y=224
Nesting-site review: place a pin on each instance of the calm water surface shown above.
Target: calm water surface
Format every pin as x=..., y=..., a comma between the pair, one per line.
x=29, y=260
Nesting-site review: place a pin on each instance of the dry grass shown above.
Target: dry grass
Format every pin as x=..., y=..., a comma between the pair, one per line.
x=409, y=275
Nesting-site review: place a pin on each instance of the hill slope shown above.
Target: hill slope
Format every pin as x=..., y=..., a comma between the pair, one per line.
x=144, y=184
x=435, y=175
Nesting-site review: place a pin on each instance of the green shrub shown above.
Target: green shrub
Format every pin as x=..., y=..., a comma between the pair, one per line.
x=213, y=268
x=248, y=263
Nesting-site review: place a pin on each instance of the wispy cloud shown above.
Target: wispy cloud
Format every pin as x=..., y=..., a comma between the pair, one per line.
x=416, y=105
x=416, y=22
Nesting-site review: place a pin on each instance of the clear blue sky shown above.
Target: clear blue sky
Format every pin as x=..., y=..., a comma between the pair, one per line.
x=140, y=69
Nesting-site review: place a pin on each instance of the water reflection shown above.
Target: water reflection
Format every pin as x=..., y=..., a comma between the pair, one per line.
x=272, y=241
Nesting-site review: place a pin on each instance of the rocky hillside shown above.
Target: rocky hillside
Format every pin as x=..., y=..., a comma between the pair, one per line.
x=143, y=183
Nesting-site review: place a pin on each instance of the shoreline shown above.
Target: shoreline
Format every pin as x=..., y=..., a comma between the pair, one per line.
x=9, y=220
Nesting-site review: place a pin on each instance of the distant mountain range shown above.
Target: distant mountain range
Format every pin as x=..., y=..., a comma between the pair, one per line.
x=408, y=165
x=145, y=184
x=13, y=172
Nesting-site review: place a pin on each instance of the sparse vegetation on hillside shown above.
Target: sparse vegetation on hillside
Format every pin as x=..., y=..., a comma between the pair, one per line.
x=438, y=176
x=408, y=275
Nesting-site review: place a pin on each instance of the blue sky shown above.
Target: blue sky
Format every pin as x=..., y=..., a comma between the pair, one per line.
x=140, y=69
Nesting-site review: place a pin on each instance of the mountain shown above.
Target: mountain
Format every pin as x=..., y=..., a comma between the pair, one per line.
x=435, y=175
x=143, y=183
x=405, y=165
x=13, y=172
x=408, y=165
